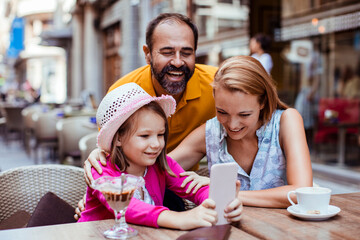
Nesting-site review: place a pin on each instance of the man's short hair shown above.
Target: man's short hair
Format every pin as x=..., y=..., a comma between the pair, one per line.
x=177, y=17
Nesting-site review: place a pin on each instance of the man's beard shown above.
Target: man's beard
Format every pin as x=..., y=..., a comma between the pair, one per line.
x=172, y=87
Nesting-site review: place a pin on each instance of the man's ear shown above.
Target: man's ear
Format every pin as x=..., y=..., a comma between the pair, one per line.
x=147, y=54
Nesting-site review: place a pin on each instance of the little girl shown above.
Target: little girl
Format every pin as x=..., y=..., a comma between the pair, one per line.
x=134, y=130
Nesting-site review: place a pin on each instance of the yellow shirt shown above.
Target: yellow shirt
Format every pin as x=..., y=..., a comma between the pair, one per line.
x=194, y=108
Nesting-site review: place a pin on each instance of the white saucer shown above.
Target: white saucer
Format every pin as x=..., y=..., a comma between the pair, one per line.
x=333, y=210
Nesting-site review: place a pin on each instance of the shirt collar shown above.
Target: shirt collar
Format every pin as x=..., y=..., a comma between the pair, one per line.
x=192, y=90
x=147, y=84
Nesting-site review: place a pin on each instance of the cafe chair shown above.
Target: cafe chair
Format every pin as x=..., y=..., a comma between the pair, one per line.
x=45, y=133
x=14, y=125
x=70, y=131
x=86, y=145
x=22, y=188
x=2, y=124
x=331, y=112
x=29, y=124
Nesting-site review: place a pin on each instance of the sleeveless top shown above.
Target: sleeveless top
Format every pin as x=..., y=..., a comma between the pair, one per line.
x=269, y=167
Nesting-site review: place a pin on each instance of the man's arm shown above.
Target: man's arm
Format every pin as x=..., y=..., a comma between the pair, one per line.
x=93, y=161
x=191, y=150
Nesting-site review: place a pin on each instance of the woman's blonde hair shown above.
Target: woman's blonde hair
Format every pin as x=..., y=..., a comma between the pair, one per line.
x=246, y=74
x=128, y=128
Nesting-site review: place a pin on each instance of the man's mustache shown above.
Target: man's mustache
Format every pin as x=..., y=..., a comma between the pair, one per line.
x=173, y=68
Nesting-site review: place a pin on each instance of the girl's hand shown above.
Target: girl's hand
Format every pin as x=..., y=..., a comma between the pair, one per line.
x=196, y=181
x=203, y=215
x=234, y=209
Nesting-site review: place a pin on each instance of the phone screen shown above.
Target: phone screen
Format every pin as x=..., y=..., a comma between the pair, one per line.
x=223, y=178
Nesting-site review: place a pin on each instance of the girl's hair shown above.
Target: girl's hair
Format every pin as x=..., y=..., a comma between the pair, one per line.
x=117, y=155
x=246, y=74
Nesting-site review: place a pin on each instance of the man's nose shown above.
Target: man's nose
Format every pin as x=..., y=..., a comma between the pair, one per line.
x=177, y=61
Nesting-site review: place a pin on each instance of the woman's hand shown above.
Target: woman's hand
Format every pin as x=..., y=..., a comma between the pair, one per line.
x=196, y=181
x=93, y=161
x=80, y=208
x=234, y=209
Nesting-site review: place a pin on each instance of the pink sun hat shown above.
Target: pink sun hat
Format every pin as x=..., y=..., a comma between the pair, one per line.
x=119, y=104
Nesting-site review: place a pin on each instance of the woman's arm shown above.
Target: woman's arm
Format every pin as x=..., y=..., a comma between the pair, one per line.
x=191, y=150
x=298, y=164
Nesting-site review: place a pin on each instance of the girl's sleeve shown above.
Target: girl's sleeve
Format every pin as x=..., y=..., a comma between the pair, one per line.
x=96, y=193
x=142, y=213
x=174, y=184
x=138, y=212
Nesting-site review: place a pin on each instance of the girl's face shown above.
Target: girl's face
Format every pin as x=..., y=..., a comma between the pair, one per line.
x=238, y=112
x=145, y=142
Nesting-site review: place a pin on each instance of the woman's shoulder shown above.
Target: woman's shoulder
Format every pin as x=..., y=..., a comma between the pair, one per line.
x=290, y=118
x=213, y=122
x=213, y=127
x=289, y=114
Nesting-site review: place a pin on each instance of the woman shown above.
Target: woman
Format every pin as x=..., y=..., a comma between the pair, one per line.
x=259, y=47
x=255, y=129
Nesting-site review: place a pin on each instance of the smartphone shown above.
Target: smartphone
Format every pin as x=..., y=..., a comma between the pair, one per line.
x=223, y=178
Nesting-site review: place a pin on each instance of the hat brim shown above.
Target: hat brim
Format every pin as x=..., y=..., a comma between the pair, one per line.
x=107, y=132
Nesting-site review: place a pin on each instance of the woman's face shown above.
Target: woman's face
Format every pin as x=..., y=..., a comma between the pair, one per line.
x=145, y=143
x=238, y=112
x=254, y=45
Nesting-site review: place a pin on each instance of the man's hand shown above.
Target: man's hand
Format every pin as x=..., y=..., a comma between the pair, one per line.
x=196, y=181
x=93, y=161
x=80, y=208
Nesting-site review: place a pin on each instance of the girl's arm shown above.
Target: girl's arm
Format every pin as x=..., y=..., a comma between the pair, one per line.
x=298, y=164
x=191, y=150
x=203, y=215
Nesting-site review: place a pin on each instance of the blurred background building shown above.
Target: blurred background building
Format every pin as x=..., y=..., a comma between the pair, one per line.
x=68, y=49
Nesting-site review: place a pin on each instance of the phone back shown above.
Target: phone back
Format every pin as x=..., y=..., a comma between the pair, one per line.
x=223, y=187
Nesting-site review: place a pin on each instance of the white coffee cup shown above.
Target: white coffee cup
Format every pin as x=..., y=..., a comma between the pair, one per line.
x=311, y=200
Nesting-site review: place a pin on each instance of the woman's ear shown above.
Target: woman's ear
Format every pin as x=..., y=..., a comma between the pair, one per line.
x=262, y=103
x=262, y=106
x=147, y=54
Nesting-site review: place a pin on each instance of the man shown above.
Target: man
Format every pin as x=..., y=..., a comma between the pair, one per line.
x=171, y=42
